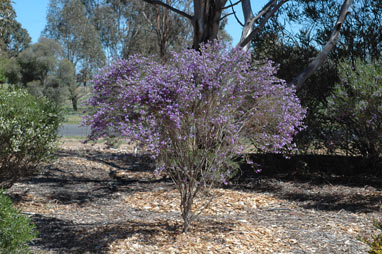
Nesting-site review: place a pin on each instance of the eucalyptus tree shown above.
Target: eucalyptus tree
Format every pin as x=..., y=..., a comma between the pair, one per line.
x=294, y=36
x=42, y=69
x=208, y=14
x=129, y=27
x=361, y=35
x=13, y=38
x=67, y=23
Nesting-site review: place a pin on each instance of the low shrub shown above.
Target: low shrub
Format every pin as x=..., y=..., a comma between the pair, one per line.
x=28, y=133
x=16, y=230
x=351, y=120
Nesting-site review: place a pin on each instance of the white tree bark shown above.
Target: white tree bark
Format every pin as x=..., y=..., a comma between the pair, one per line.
x=249, y=32
x=320, y=58
x=207, y=17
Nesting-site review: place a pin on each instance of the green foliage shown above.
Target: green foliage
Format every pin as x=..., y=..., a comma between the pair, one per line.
x=13, y=38
x=131, y=27
x=3, y=62
x=6, y=11
x=376, y=243
x=68, y=25
x=28, y=133
x=293, y=57
x=16, y=230
x=42, y=70
x=352, y=118
x=39, y=60
x=12, y=71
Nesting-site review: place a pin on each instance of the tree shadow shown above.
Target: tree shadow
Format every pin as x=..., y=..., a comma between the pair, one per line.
x=315, y=169
x=118, y=161
x=321, y=182
x=66, y=237
x=355, y=203
x=79, y=184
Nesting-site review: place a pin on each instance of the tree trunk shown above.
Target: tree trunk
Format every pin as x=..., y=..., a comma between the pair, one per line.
x=319, y=60
x=249, y=32
x=186, y=208
x=249, y=20
x=206, y=20
x=207, y=17
x=75, y=103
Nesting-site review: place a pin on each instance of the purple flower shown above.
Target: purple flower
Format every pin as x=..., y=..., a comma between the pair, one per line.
x=196, y=113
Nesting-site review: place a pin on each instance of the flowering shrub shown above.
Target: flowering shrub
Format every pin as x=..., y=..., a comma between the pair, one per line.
x=354, y=111
x=196, y=114
x=28, y=133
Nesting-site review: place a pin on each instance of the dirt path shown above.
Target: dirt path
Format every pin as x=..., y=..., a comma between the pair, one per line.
x=93, y=200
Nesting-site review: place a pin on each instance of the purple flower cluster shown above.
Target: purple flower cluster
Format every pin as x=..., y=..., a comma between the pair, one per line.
x=197, y=112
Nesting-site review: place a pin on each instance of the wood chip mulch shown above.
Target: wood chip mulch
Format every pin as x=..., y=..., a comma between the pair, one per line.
x=97, y=200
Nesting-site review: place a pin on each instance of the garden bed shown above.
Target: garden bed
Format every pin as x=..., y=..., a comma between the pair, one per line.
x=96, y=200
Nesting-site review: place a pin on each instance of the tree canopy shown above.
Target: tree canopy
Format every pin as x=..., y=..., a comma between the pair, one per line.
x=42, y=69
x=208, y=14
x=67, y=24
x=13, y=38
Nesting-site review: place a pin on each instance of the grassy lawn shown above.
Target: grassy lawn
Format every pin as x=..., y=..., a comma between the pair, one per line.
x=75, y=117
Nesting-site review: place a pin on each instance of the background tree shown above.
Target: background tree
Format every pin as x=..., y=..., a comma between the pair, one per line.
x=361, y=35
x=129, y=27
x=294, y=36
x=68, y=24
x=207, y=16
x=66, y=74
x=42, y=69
x=13, y=38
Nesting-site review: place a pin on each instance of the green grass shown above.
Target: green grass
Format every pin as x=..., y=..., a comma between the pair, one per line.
x=72, y=138
x=75, y=117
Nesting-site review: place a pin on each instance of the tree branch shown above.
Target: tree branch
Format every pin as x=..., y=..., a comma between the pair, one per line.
x=234, y=13
x=229, y=14
x=158, y=2
x=320, y=58
x=231, y=4
x=268, y=13
x=265, y=9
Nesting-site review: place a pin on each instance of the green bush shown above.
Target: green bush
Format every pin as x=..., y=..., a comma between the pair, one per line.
x=16, y=230
x=376, y=243
x=352, y=118
x=28, y=133
x=3, y=62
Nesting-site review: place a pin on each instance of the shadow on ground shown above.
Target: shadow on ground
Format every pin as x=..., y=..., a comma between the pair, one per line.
x=67, y=183
x=325, y=183
x=322, y=182
x=65, y=237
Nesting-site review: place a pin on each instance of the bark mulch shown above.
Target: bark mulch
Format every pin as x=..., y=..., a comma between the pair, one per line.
x=97, y=200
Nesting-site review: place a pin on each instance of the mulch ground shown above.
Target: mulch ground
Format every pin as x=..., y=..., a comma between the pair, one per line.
x=97, y=200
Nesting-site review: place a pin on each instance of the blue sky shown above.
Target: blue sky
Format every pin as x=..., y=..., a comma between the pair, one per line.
x=31, y=14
